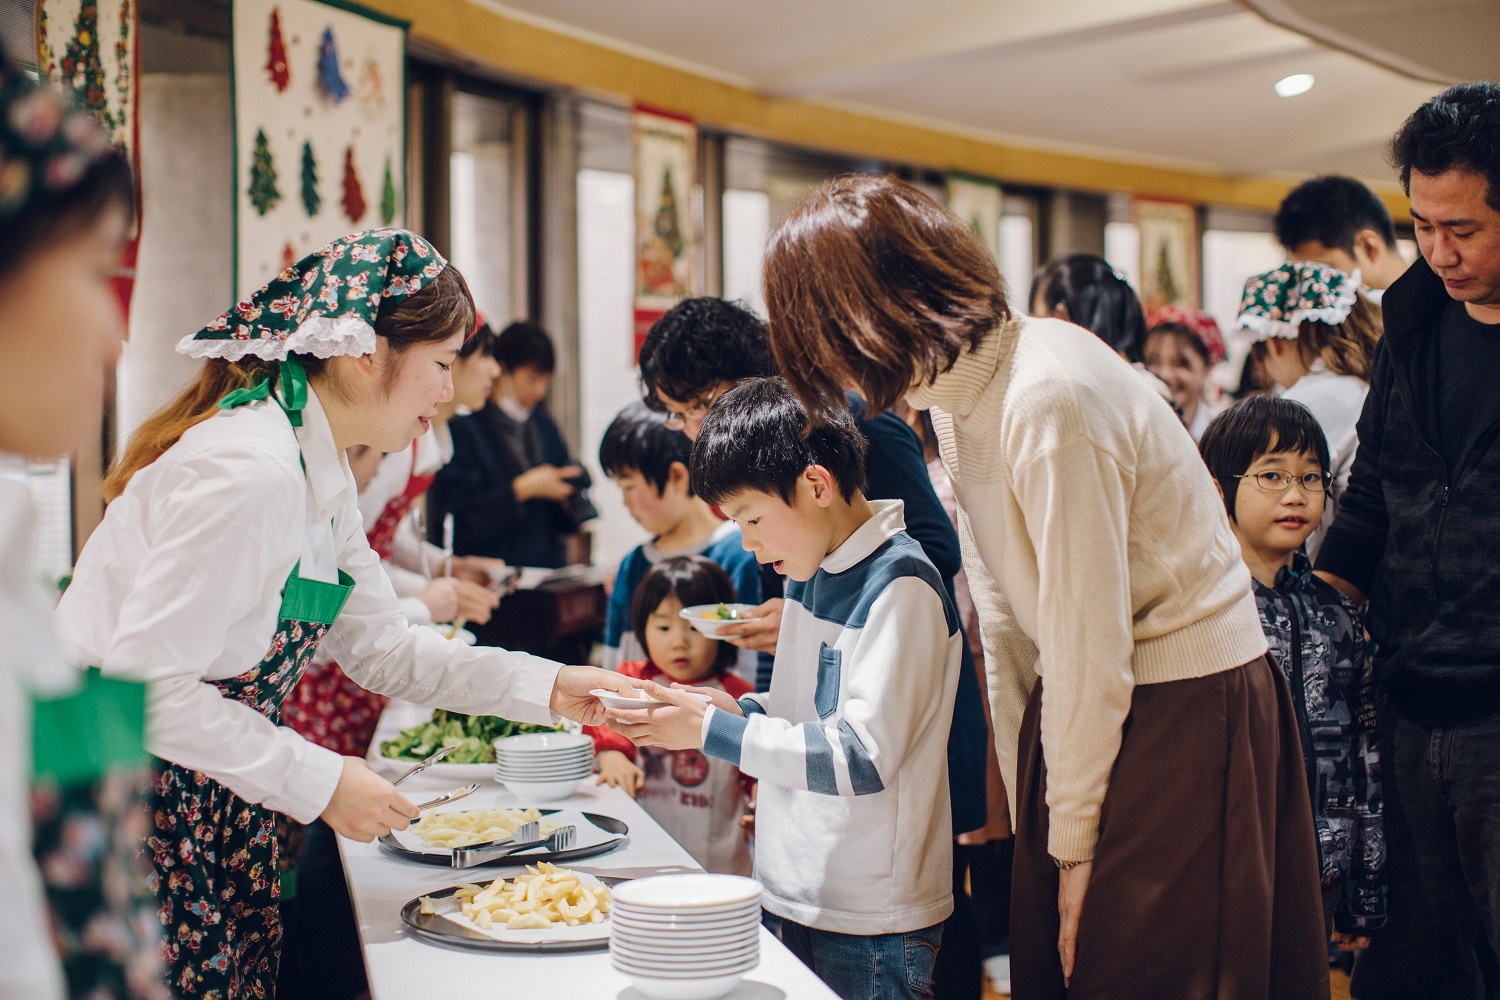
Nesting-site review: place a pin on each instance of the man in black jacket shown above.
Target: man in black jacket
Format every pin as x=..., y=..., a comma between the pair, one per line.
x=1419, y=533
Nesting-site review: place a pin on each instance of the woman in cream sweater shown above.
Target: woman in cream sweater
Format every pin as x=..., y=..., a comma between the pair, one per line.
x=1164, y=837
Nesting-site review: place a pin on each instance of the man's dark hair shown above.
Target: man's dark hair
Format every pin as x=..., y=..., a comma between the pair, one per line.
x=1097, y=298
x=756, y=437
x=1332, y=211
x=639, y=440
x=1255, y=426
x=699, y=344
x=525, y=345
x=484, y=341
x=1458, y=129
x=694, y=581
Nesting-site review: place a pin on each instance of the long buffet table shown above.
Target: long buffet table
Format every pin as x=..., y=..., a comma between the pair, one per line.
x=401, y=966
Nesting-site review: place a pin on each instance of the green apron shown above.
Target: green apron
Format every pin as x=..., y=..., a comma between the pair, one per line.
x=216, y=857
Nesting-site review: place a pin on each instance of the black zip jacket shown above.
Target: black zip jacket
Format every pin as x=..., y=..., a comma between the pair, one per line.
x=1420, y=538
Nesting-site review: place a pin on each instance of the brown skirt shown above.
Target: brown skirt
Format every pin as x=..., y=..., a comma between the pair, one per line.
x=1205, y=879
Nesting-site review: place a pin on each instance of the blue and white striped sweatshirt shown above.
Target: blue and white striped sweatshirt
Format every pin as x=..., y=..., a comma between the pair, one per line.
x=853, y=832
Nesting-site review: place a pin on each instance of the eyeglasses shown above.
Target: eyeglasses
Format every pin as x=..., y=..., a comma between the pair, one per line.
x=1280, y=482
x=695, y=411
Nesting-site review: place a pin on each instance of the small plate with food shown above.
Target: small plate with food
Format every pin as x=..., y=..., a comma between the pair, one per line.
x=625, y=702
x=432, y=839
x=711, y=619
x=541, y=909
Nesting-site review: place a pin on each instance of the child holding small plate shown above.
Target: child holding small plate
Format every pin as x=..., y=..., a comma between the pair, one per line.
x=697, y=799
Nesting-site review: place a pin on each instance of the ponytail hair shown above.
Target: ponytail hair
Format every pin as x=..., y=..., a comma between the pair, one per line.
x=435, y=313
x=1349, y=347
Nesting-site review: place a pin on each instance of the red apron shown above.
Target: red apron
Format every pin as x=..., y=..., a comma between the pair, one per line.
x=326, y=707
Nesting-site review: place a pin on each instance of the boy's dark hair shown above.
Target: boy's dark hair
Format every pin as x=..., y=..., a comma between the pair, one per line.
x=693, y=580
x=1097, y=298
x=484, y=341
x=639, y=440
x=756, y=437
x=1255, y=426
x=1458, y=129
x=525, y=345
x=699, y=344
x=1331, y=211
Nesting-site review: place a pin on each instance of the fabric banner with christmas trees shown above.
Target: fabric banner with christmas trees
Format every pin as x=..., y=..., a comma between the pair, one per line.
x=664, y=151
x=90, y=46
x=319, y=126
x=979, y=203
x=1169, y=252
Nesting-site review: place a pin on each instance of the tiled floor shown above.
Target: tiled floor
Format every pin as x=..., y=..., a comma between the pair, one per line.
x=1340, y=990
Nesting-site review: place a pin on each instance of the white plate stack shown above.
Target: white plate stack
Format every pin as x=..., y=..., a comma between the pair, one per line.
x=686, y=937
x=544, y=767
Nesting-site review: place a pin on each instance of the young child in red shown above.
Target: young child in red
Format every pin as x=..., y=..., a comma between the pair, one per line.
x=696, y=799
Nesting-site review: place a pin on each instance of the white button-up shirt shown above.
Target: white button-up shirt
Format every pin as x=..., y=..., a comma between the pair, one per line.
x=182, y=584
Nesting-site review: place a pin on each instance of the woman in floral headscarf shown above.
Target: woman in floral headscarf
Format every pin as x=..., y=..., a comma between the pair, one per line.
x=1182, y=346
x=233, y=546
x=1314, y=332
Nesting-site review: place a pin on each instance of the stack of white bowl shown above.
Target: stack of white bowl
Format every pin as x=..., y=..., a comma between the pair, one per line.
x=686, y=937
x=544, y=767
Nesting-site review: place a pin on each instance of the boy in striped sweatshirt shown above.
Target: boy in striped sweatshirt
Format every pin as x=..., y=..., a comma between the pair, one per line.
x=853, y=839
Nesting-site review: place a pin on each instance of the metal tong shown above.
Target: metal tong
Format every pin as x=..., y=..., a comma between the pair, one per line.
x=560, y=839
x=423, y=765
x=463, y=791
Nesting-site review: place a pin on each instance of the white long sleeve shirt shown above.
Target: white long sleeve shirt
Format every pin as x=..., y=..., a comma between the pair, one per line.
x=1336, y=401
x=182, y=584
x=853, y=832
x=433, y=450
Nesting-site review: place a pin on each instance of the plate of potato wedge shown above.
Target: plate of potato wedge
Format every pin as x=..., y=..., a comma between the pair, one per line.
x=541, y=909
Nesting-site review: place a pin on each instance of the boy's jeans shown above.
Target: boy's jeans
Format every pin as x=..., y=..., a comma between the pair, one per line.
x=878, y=967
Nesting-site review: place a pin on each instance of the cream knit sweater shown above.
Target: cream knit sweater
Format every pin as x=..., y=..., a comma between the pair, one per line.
x=1097, y=549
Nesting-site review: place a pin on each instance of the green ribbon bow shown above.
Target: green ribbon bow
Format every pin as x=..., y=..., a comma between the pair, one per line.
x=292, y=397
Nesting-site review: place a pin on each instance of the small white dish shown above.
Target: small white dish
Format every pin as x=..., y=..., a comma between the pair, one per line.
x=687, y=944
x=543, y=791
x=666, y=955
x=530, y=743
x=737, y=967
x=705, y=924
x=685, y=989
x=696, y=892
x=704, y=617
x=625, y=703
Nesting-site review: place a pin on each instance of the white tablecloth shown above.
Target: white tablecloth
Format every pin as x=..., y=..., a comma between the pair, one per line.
x=403, y=967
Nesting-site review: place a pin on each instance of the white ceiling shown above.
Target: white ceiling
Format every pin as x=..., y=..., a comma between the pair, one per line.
x=1169, y=81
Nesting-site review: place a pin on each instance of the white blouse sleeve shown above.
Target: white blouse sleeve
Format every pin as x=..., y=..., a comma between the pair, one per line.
x=379, y=650
x=229, y=526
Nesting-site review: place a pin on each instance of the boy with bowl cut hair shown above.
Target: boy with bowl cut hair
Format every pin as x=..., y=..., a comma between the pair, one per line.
x=850, y=743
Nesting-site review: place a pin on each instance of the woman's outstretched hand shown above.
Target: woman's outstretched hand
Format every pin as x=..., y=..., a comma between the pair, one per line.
x=570, y=692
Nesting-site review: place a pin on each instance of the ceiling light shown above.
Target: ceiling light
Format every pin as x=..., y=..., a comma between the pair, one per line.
x=1291, y=86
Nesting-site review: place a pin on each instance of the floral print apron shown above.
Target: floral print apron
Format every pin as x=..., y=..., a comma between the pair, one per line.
x=216, y=858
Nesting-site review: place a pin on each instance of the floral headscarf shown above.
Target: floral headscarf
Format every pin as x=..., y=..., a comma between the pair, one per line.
x=1277, y=303
x=47, y=143
x=326, y=303
x=1201, y=323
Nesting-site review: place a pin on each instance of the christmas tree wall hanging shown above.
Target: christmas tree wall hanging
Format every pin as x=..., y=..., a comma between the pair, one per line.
x=1166, y=282
x=668, y=227
x=354, y=196
x=388, y=196
x=330, y=79
x=264, y=194
x=288, y=256
x=276, y=65
x=80, y=65
x=311, y=200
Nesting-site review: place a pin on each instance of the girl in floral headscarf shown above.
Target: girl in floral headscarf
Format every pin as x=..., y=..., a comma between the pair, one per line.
x=1182, y=346
x=233, y=546
x=1314, y=332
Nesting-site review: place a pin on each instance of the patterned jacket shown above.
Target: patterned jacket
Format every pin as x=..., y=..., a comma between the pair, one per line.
x=1318, y=639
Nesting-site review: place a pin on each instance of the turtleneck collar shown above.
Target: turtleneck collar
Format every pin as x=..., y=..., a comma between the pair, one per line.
x=959, y=389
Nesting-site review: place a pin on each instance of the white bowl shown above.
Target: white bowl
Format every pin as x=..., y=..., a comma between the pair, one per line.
x=686, y=944
x=686, y=989
x=737, y=967
x=625, y=703
x=713, y=923
x=511, y=753
x=550, y=770
x=542, y=742
x=711, y=627
x=667, y=955
x=687, y=893
x=543, y=791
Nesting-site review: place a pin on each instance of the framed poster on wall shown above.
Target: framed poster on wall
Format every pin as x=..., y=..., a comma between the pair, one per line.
x=1169, y=243
x=664, y=159
x=979, y=203
x=319, y=129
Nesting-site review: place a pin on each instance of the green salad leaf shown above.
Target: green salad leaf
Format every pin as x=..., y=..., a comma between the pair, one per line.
x=471, y=736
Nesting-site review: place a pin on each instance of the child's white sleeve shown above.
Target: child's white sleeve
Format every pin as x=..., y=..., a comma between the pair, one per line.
x=893, y=685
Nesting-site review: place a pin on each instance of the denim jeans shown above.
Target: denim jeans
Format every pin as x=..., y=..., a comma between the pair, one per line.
x=856, y=967
x=1442, y=820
